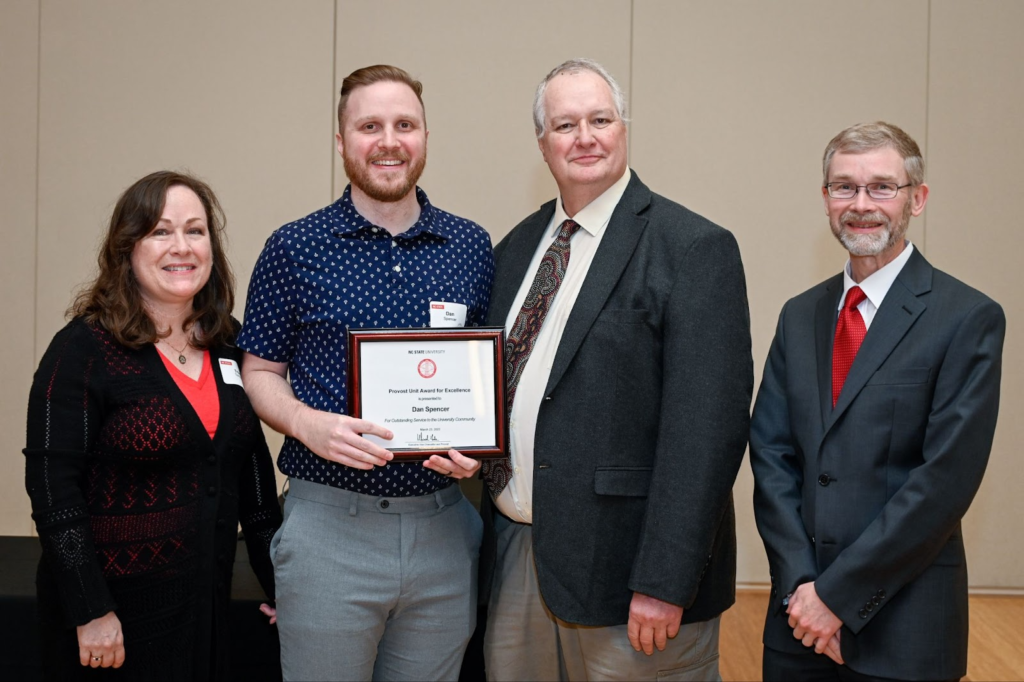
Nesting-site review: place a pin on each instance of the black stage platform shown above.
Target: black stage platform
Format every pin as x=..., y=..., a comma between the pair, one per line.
x=255, y=649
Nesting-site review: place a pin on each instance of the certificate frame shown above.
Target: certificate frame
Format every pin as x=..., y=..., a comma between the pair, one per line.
x=448, y=337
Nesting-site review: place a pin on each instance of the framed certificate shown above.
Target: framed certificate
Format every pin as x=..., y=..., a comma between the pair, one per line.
x=434, y=388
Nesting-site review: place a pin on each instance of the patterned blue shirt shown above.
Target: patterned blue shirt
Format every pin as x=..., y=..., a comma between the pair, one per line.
x=333, y=270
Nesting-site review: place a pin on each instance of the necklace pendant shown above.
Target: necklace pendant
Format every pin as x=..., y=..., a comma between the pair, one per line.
x=181, y=358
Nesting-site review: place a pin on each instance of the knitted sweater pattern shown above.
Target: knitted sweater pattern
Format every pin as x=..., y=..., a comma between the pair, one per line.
x=136, y=507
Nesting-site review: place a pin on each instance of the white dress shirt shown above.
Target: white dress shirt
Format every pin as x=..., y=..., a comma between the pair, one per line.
x=516, y=500
x=875, y=286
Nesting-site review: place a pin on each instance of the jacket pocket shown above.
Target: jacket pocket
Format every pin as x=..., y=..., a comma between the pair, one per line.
x=622, y=481
x=904, y=375
x=623, y=316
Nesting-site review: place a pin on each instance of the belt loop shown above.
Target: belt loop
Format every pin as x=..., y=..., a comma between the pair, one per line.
x=439, y=498
x=352, y=504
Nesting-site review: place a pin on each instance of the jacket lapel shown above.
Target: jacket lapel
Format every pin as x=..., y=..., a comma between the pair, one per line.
x=825, y=317
x=512, y=263
x=613, y=255
x=898, y=313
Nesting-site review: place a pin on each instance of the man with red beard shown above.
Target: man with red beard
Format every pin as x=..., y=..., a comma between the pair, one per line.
x=375, y=563
x=870, y=435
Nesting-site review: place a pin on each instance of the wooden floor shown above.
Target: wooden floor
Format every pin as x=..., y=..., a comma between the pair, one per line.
x=995, y=649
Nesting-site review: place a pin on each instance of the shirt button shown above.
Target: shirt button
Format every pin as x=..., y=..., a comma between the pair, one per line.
x=394, y=243
x=824, y=480
x=212, y=490
x=212, y=459
x=515, y=470
x=398, y=268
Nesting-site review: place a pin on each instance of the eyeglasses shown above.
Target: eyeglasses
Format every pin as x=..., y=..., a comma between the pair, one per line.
x=876, y=190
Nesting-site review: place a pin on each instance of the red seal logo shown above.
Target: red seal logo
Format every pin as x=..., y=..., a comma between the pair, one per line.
x=426, y=368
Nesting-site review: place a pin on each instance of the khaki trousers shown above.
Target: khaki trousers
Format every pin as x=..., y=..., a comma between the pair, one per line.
x=525, y=641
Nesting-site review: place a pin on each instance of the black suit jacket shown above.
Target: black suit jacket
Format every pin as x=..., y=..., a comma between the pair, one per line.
x=866, y=499
x=645, y=416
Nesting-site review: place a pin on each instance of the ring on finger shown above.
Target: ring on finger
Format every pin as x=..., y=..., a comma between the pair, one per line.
x=97, y=658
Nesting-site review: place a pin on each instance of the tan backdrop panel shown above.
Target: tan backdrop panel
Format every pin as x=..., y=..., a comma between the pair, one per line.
x=233, y=91
x=480, y=64
x=237, y=92
x=19, y=48
x=975, y=143
x=733, y=105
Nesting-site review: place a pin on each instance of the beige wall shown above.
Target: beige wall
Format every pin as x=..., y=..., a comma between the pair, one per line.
x=94, y=95
x=19, y=91
x=975, y=140
x=747, y=96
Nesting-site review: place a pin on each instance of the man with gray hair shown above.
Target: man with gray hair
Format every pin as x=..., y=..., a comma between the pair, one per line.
x=610, y=549
x=870, y=435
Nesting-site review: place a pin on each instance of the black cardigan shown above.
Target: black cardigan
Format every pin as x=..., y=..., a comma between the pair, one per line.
x=137, y=509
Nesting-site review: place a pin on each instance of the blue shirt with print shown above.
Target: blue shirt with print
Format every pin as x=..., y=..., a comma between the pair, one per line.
x=333, y=270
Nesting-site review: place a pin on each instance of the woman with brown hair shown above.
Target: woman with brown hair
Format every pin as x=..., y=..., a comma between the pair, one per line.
x=143, y=452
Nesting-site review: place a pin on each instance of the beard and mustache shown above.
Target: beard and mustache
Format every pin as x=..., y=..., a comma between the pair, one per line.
x=876, y=243
x=381, y=189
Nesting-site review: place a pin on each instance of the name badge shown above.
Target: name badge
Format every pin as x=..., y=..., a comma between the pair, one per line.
x=447, y=314
x=230, y=372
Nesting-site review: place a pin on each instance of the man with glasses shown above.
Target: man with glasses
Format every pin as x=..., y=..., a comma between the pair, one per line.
x=870, y=435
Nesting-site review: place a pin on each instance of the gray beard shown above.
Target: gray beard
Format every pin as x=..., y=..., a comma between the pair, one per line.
x=866, y=244
x=872, y=244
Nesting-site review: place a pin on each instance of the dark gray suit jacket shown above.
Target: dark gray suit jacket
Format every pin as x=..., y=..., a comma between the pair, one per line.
x=645, y=416
x=866, y=499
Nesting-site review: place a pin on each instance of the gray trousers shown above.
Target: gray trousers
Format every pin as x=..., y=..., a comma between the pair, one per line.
x=375, y=588
x=525, y=641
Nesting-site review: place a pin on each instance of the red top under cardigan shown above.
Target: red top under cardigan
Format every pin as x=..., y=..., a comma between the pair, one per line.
x=137, y=507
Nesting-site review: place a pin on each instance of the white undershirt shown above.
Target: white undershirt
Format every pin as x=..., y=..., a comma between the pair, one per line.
x=876, y=285
x=516, y=500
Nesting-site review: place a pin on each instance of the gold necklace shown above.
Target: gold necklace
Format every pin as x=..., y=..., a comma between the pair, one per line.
x=181, y=353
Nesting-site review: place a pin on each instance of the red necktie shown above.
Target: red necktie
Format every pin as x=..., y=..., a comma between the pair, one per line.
x=850, y=331
x=523, y=336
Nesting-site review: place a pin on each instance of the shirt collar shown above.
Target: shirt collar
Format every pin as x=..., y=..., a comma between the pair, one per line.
x=877, y=285
x=594, y=216
x=351, y=222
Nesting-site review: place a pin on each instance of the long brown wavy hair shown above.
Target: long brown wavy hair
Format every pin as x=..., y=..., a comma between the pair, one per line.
x=113, y=299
